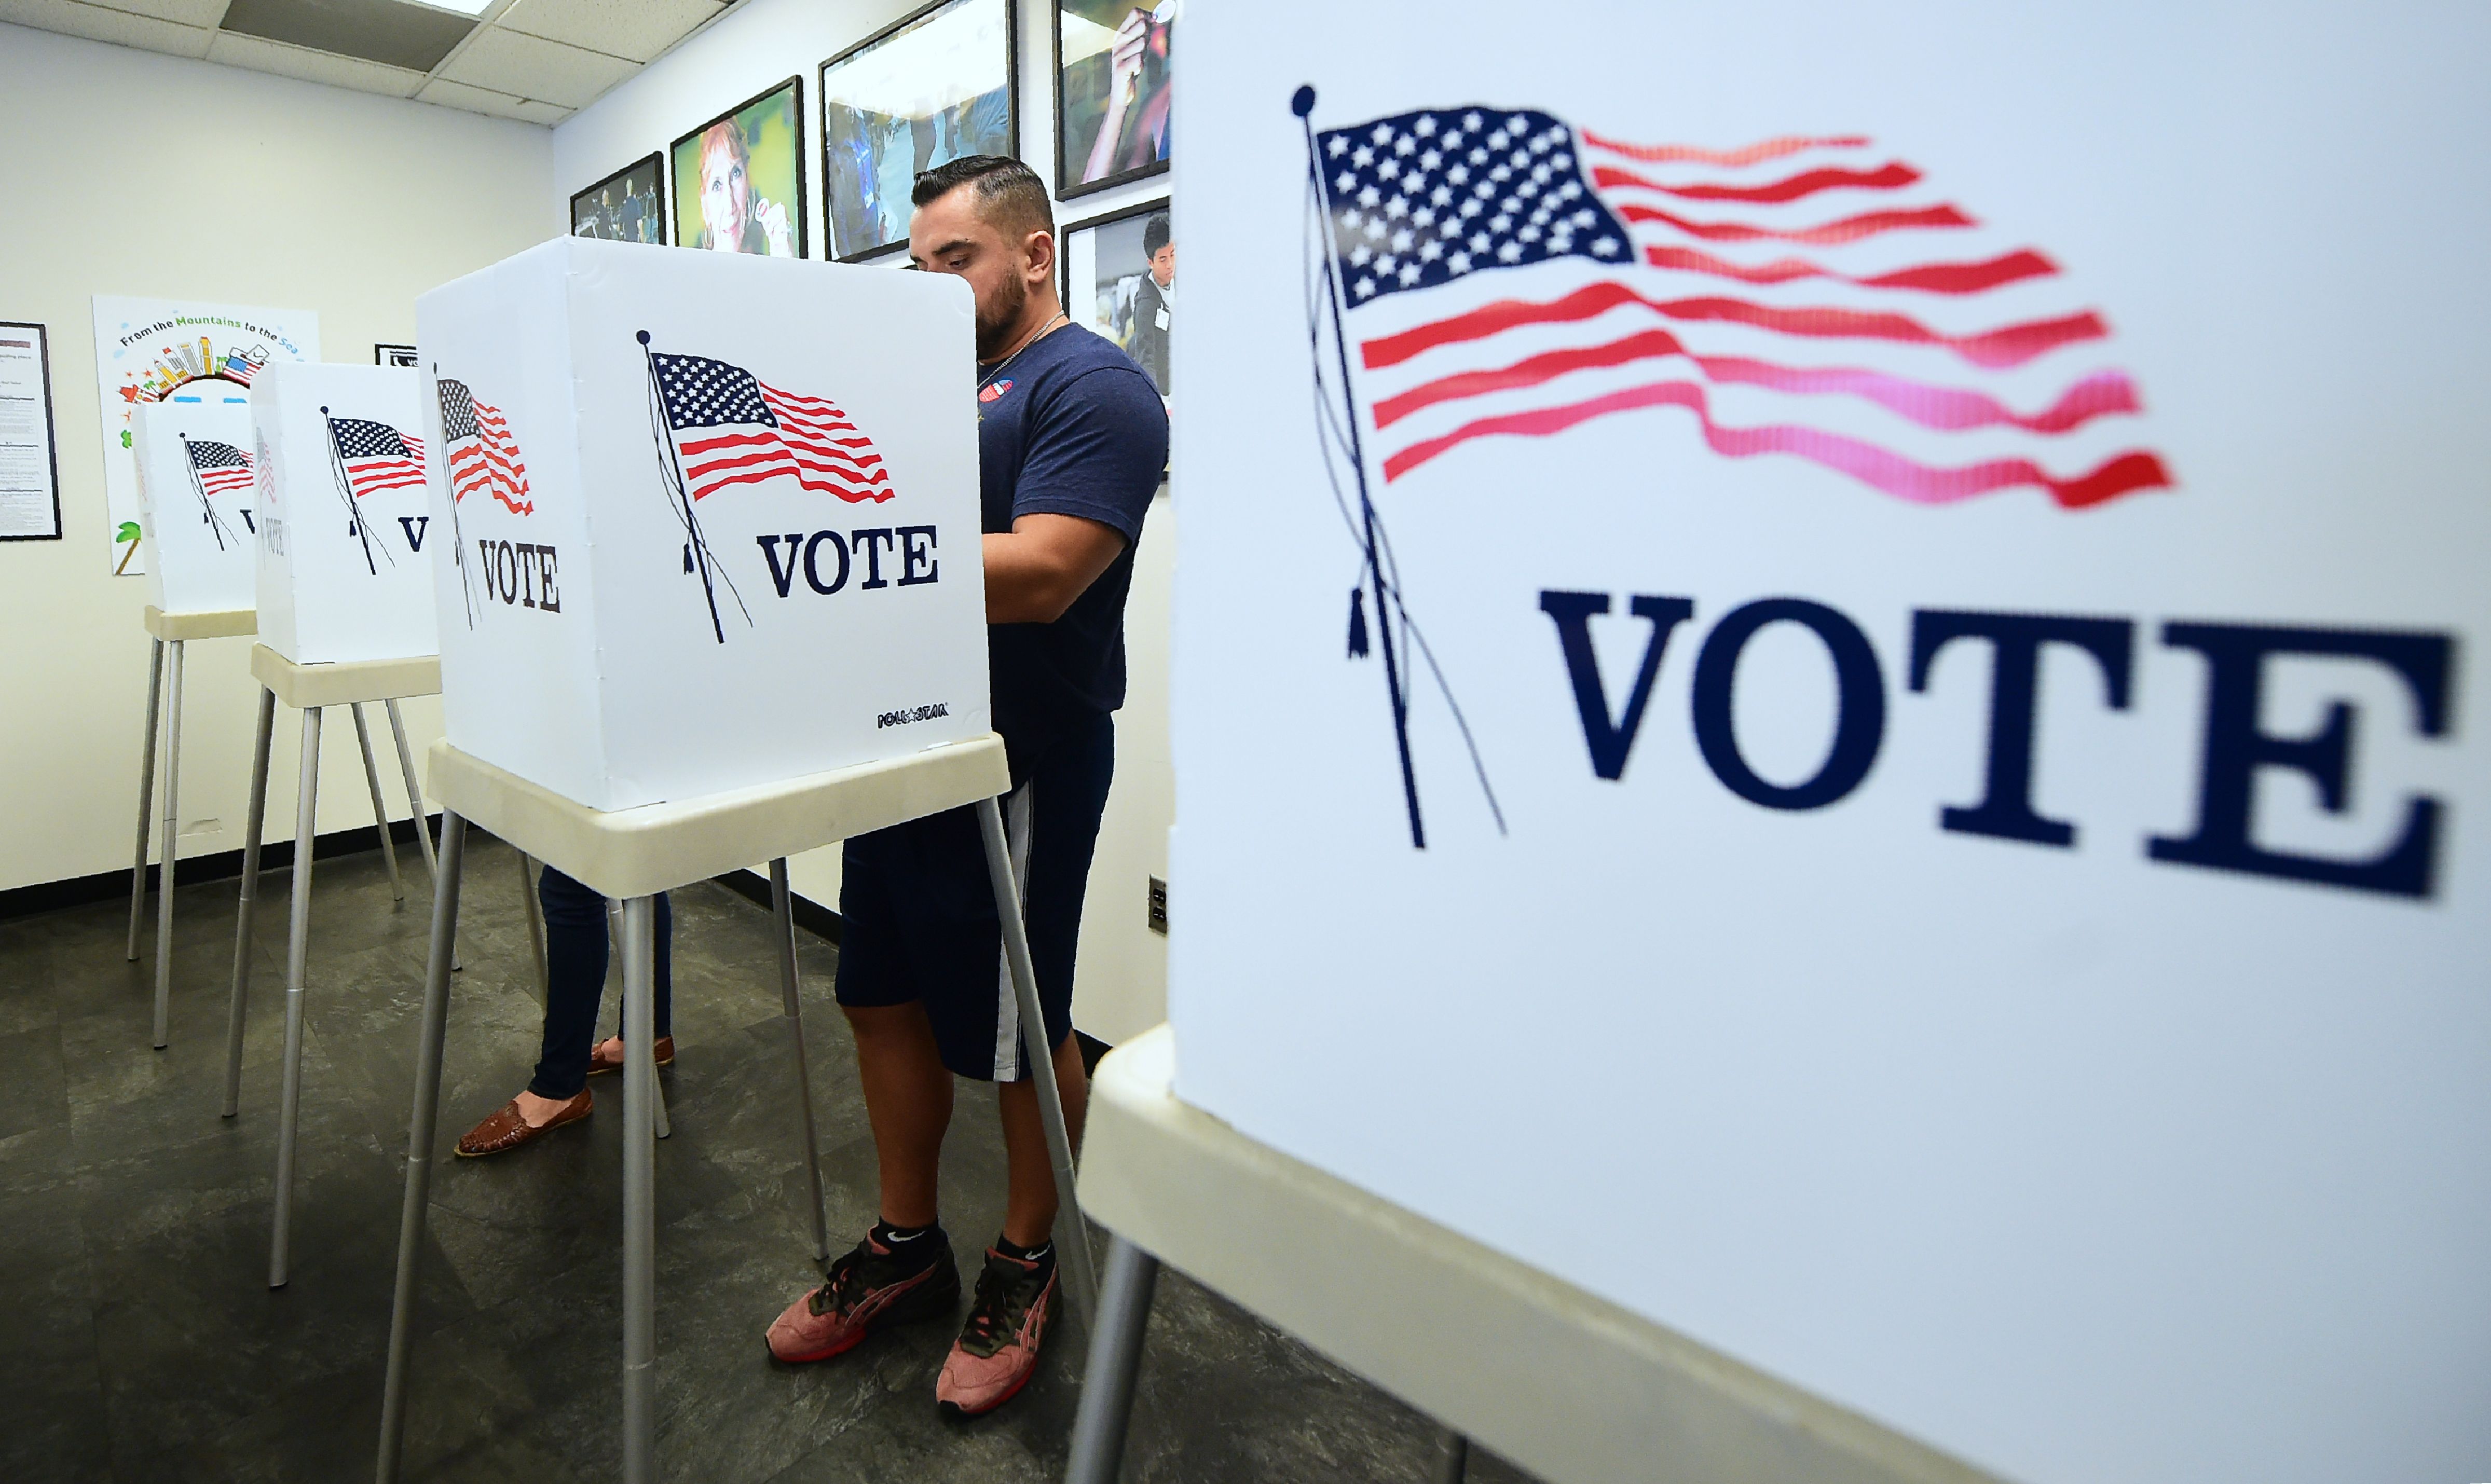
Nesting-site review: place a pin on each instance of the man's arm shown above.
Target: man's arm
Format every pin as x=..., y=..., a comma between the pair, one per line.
x=1036, y=570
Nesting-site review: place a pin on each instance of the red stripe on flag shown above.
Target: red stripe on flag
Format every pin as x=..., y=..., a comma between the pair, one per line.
x=1748, y=154
x=1892, y=176
x=1847, y=230
x=1945, y=408
x=1929, y=277
x=2009, y=345
x=1889, y=472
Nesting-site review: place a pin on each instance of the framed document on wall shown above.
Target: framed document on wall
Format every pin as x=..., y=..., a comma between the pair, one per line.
x=624, y=207
x=30, y=460
x=922, y=92
x=1112, y=90
x=740, y=178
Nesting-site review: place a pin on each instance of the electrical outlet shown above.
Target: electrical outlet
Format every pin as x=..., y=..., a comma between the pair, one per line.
x=1158, y=907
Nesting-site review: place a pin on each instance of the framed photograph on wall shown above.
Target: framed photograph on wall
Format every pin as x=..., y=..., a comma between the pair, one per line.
x=1112, y=92
x=923, y=91
x=1120, y=280
x=739, y=179
x=401, y=355
x=627, y=206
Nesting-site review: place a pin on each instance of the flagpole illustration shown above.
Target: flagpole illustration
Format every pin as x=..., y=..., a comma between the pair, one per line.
x=216, y=525
x=450, y=484
x=1303, y=104
x=698, y=549
x=346, y=493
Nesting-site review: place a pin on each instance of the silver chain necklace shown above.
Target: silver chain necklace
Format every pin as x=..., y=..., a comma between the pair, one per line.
x=988, y=379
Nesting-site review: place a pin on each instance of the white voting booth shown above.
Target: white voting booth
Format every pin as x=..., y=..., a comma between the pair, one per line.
x=345, y=619
x=195, y=497
x=1951, y=933
x=716, y=598
x=342, y=575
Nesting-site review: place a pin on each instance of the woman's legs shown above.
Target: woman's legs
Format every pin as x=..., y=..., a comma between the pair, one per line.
x=575, y=981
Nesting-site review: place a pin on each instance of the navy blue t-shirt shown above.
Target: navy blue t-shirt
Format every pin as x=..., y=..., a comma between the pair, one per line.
x=1069, y=426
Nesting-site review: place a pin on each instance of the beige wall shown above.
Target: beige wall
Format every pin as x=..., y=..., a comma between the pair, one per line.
x=133, y=173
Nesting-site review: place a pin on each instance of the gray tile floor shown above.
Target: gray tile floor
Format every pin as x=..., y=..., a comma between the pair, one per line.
x=142, y=1343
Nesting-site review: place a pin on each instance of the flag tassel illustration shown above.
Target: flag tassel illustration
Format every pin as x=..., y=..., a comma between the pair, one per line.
x=1358, y=623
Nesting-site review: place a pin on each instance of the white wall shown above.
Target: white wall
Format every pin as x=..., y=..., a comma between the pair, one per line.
x=1122, y=979
x=258, y=190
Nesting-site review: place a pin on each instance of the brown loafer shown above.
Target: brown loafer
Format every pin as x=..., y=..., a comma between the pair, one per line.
x=598, y=1065
x=507, y=1129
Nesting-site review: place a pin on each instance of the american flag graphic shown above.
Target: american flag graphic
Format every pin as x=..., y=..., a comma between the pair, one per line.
x=376, y=456
x=484, y=457
x=223, y=469
x=746, y=431
x=240, y=366
x=1506, y=275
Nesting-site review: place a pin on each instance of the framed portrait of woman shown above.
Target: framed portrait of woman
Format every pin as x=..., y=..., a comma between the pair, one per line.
x=740, y=178
x=1112, y=92
x=933, y=86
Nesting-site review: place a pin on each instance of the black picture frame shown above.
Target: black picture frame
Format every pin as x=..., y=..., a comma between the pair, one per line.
x=652, y=162
x=1066, y=186
x=909, y=21
x=800, y=218
x=51, y=422
x=393, y=354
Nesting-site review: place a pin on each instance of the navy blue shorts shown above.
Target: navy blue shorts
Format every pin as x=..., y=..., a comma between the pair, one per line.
x=919, y=917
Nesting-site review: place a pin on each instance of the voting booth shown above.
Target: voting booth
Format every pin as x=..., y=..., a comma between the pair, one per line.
x=714, y=596
x=714, y=521
x=195, y=498
x=1907, y=580
x=343, y=566
x=197, y=489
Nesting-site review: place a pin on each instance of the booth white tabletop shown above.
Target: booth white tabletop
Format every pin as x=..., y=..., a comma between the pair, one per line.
x=225, y=624
x=305, y=687
x=630, y=852
x=1583, y=1389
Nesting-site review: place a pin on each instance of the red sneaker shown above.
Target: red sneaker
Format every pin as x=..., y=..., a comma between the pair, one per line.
x=871, y=1286
x=998, y=1346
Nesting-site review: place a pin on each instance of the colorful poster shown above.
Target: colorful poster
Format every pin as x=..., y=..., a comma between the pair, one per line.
x=165, y=350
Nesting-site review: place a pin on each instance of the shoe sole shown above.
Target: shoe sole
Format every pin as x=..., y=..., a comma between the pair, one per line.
x=923, y=1304
x=955, y=1409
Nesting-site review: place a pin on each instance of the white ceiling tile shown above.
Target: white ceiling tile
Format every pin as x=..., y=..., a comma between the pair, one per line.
x=529, y=67
x=536, y=111
x=638, y=29
x=188, y=13
x=500, y=106
x=96, y=23
x=261, y=55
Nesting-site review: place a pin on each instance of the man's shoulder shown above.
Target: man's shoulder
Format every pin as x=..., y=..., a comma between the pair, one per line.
x=1093, y=367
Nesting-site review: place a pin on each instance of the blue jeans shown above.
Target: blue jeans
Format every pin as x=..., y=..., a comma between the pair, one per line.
x=574, y=919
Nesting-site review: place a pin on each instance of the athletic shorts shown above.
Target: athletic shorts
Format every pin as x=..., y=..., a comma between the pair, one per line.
x=918, y=908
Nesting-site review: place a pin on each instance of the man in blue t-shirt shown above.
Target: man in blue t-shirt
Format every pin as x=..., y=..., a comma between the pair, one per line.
x=1071, y=437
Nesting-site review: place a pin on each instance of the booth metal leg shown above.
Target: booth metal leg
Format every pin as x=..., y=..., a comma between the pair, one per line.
x=1455, y=1464
x=639, y=1190
x=421, y=1129
x=252, y=828
x=298, y=947
x=1071, y=1233
x=781, y=904
x=169, y=846
x=536, y=924
x=1115, y=1360
x=380, y=808
x=658, y=1090
x=414, y=801
x=146, y=790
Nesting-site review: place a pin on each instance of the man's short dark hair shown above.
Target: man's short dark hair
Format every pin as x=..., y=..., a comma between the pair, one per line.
x=1154, y=235
x=1010, y=194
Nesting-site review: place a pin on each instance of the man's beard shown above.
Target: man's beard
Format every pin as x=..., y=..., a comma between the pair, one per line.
x=996, y=322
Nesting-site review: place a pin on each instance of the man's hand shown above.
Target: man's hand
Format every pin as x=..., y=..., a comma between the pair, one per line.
x=1036, y=570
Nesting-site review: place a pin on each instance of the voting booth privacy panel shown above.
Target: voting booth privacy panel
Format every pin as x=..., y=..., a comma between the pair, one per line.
x=195, y=494
x=712, y=521
x=1828, y=680
x=342, y=528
